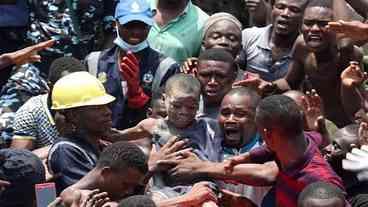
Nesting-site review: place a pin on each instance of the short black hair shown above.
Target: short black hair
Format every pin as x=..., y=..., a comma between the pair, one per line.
x=282, y=113
x=218, y=54
x=245, y=91
x=137, y=201
x=320, y=190
x=184, y=83
x=23, y=170
x=123, y=155
x=320, y=3
x=59, y=65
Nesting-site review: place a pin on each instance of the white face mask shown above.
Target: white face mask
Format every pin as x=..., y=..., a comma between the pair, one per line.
x=128, y=47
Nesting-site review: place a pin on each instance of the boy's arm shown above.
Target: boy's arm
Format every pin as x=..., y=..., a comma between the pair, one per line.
x=142, y=130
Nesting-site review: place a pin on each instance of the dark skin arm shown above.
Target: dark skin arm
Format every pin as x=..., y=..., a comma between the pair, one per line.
x=251, y=174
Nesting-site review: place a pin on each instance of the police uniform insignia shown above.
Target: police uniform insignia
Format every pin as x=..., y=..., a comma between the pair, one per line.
x=148, y=78
x=102, y=77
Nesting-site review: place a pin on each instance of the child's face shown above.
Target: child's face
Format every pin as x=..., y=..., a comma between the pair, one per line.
x=181, y=108
x=331, y=202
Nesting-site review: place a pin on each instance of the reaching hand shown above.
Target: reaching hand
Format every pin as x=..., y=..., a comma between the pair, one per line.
x=96, y=199
x=172, y=150
x=190, y=66
x=356, y=30
x=312, y=107
x=199, y=194
x=357, y=161
x=353, y=76
x=28, y=54
x=230, y=199
x=254, y=81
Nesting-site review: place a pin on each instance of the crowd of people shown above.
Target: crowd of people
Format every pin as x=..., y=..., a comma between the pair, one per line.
x=165, y=103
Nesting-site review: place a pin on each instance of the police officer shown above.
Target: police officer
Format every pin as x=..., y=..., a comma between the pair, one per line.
x=131, y=70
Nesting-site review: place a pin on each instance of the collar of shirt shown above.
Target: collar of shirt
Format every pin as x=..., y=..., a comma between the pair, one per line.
x=246, y=148
x=46, y=108
x=182, y=14
x=265, y=39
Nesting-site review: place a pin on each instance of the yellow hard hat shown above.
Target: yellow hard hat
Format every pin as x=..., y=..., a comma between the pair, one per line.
x=79, y=89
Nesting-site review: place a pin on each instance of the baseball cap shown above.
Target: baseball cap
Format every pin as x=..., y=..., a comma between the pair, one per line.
x=134, y=10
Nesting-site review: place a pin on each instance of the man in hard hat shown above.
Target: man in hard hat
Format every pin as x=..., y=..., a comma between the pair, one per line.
x=82, y=99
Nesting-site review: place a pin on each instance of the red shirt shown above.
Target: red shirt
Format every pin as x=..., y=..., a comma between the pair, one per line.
x=311, y=168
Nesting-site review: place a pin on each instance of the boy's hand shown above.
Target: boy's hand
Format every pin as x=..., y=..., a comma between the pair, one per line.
x=312, y=107
x=230, y=199
x=356, y=30
x=96, y=199
x=129, y=70
x=353, y=76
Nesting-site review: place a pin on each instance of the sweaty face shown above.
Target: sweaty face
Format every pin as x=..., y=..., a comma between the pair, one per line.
x=181, y=108
x=123, y=183
x=236, y=120
x=133, y=32
x=287, y=16
x=339, y=147
x=314, y=30
x=95, y=119
x=332, y=202
x=223, y=34
x=216, y=78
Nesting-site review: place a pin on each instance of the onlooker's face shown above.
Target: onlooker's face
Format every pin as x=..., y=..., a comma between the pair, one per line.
x=216, y=78
x=316, y=35
x=339, y=147
x=331, y=202
x=120, y=184
x=236, y=120
x=287, y=16
x=223, y=34
x=133, y=32
x=94, y=119
x=158, y=109
x=181, y=108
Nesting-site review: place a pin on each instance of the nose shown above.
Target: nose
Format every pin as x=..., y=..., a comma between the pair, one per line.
x=230, y=119
x=224, y=42
x=327, y=150
x=212, y=80
x=285, y=13
x=315, y=27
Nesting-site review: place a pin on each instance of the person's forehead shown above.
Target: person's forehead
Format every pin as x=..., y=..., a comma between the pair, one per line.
x=318, y=13
x=177, y=96
x=224, y=26
x=297, y=3
x=214, y=65
x=237, y=101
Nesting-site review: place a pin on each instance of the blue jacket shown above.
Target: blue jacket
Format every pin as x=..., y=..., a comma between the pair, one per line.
x=107, y=71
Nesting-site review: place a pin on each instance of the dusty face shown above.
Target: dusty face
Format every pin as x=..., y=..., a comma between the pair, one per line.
x=316, y=35
x=159, y=109
x=236, y=120
x=133, y=32
x=223, y=34
x=181, y=108
x=287, y=16
x=332, y=202
x=216, y=78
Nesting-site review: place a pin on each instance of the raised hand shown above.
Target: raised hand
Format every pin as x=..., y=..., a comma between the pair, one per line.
x=353, y=76
x=200, y=194
x=356, y=30
x=312, y=107
x=253, y=81
x=190, y=66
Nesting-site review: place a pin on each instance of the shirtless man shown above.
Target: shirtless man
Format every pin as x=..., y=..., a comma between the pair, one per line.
x=317, y=62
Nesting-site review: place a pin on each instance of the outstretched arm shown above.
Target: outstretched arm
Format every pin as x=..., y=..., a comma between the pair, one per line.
x=142, y=130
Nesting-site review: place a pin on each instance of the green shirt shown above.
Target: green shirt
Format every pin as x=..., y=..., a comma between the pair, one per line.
x=182, y=37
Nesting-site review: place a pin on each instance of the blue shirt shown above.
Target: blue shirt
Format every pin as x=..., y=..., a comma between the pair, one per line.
x=14, y=15
x=72, y=159
x=108, y=73
x=256, y=55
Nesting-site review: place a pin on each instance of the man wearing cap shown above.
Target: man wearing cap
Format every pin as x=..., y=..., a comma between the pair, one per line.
x=131, y=70
x=177, y=31
x=83, y=101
